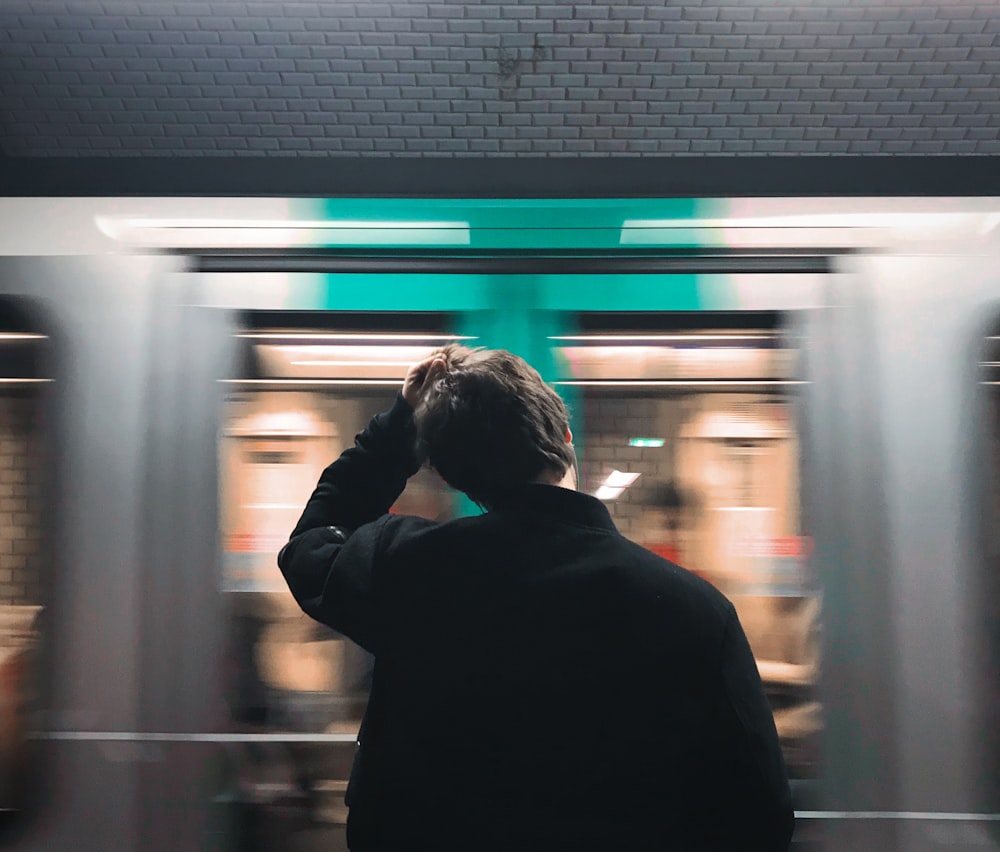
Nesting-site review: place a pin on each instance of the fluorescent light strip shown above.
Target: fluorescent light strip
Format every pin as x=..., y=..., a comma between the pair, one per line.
x=683, y=383
x=620, y=479
x=272, y=505
x=156, y=737
x=615, y=338
x=304, y=335
x=808, y=220
x=352, y=363
x=615, y=484
x=285, y=224
x=606, y=492
x=24, y=381
x=21, y=335
x=276, y=233
x=394, y=382
x=330, y=351
x=930, y=816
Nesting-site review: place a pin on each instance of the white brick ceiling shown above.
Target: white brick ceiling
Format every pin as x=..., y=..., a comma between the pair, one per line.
x=145, y=77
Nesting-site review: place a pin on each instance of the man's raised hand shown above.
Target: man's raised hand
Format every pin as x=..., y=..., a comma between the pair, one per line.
x=421, y=376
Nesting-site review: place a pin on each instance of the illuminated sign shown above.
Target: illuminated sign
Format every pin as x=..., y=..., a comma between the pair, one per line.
x=645, y=442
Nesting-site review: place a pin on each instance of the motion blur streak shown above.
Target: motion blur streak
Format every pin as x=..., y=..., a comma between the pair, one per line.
x=823, y=446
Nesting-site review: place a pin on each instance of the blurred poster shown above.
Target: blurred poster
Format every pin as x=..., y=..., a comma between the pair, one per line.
x=755, y=557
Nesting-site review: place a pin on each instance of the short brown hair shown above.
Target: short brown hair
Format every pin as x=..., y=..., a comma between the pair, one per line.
x=490, y=423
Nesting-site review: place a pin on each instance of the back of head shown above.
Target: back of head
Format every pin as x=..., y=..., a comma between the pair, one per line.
x=490, y=424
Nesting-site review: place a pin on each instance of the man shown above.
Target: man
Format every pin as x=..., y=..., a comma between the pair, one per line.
x=541, y=682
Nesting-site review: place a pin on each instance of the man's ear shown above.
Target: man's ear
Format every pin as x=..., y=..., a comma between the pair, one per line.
x=569, y=435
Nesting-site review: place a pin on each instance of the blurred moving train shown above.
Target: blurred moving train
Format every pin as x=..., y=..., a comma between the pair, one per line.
x=794, y=398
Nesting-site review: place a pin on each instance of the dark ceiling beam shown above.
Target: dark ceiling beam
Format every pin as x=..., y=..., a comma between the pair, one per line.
x=503, y=177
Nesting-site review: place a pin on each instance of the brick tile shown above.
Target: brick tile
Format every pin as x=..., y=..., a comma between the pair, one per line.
x=819, y=61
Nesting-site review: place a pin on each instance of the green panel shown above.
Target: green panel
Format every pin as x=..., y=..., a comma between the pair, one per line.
x=510, y=223
x=402, y=292
x=511, y=318
x=676, y=236
x=565, y=239
x=722, y=293
x=509, y=297
x=619, y=292
x=508, y=213
x=505, y=320
x=517, y=293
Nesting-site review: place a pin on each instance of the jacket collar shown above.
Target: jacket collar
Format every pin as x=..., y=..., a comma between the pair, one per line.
x=560, y=504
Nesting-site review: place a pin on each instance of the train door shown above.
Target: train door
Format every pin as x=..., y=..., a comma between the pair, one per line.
x=72, y=507
x=897, y=446
x=685, y=421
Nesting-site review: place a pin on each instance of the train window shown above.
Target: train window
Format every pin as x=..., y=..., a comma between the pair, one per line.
x=690, y=440
x=306, y=391
x=23, y=445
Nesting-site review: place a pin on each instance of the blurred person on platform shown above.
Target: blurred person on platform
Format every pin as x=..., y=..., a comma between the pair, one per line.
x=541, y=682
x=663, y=520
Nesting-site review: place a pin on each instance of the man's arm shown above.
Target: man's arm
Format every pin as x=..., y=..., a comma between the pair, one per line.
x=361, y=485
x=755, y=798
x=329, y=560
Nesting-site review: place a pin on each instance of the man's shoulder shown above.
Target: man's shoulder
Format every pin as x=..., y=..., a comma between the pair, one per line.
x=610, y=553
x=403, y=530
x=674, y=580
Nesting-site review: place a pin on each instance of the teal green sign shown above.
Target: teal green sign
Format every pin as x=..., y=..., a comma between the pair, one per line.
x=569, y=224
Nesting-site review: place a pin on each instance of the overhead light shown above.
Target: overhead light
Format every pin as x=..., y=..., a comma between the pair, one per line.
x=802, y=220
x=646, y=442
x=370, y=351
x=347, y=336
x=345, y=356
x=615, y=484
x=308, y=382
x=352, y=363
x=20, y=335
x=680, y=383
x=279, y=233
x=664, y=338
x=621, y=479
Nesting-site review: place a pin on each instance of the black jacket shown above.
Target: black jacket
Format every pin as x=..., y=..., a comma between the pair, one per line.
x=540, y=681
